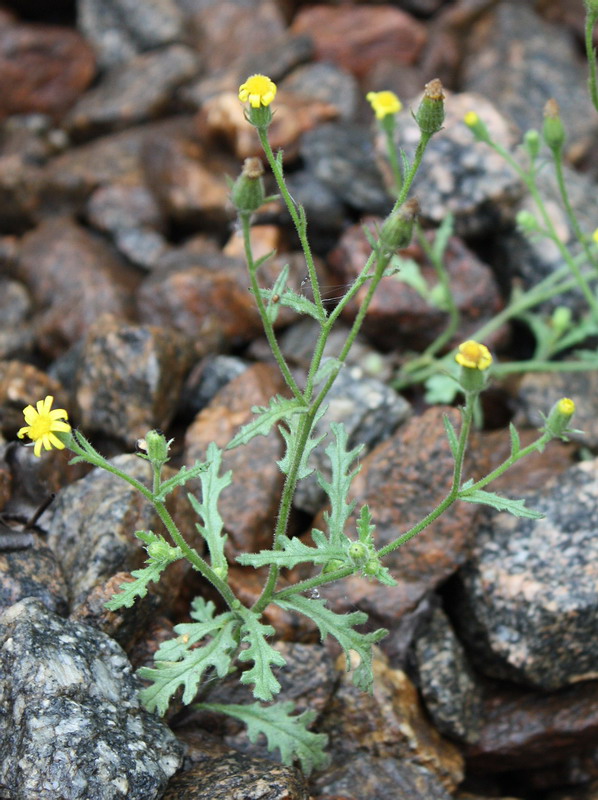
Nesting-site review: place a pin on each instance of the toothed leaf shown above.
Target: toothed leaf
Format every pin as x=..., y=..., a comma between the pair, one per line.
x=515, y=507
x=279, y=408
x=254, y=633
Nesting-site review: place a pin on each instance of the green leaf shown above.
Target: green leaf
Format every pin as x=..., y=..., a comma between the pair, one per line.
x=338, y=487
x=179, y=479
x=408, y=272
x=515, y=507
x=451, y=435
x=254, y=633
x=283, y=731
x=515, y=440
x=163, y=554
x=291, y=435
x=212, y=524
x=293, y=552
x=341, y=628
x=279, y=408
x=442, y=236
x=365, y=527
x=441, y=389
x=298, y=302
x=327, y=368
x=168, y=676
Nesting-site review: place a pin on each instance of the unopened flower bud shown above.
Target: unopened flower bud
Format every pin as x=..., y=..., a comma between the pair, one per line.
x=561, y=319
x=532, y=142
x=526, y=222
x=358, y=552
x=553, y=130
x=247, y=194
x=477, y=127
x=156, y=447
x=560, y=416
x=430, y=114
x=397, y=228
x=474, y=358
x=160, y=551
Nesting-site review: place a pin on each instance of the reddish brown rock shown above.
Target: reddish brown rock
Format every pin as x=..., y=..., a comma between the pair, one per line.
x=42, y=69
x=248, y=506
x=402, y=480
x=22, y=385
x=358, y=37
x=73, y=278
x=399, y=316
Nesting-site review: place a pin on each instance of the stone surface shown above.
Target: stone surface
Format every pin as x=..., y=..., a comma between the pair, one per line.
x=138, y=91
x=119, y=29
x=326, y=83
x=402, y=480
x=21, y=385
x=31, y=572
x=401, y=316
x=92, y=524
x=528, y=605
x=129, y=378
x=206, y=379
x=73, y=278
x=248, y=506
x=358, y=37
x=16, y=334
x=72, y=723
x=388, y=724
x=452, y=695
x=43, y=69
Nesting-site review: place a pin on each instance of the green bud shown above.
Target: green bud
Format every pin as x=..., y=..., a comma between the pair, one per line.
x=160, y=551
x=561, y=319
x=371, y=567
x=532, y=143
x=332, y=566
x=358, y=552
x=397, y=228
x=247, y=194
x=221, y=572
x=430, y=114
x=156, y=446
x=553, y=130
x=560, y=416
x=526, y=222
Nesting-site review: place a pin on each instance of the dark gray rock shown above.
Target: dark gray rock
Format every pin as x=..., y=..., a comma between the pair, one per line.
x=327, y=83
x=139, y=91
x=324, y=209
x=341, y=156
x=452, y=695
x=370, y=411
x=120, y=29
x=72, y=726
x=16, y=333
x=529, y=608
x=30, y=570
x=206, y=379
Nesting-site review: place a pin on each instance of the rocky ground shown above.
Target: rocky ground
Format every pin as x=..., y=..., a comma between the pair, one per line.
x=124, y=295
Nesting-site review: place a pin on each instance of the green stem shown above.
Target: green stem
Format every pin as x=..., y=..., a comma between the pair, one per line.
x=558, y=166
x=393, y=158
x=538, y=445
x=591, y=17
x=443, y=279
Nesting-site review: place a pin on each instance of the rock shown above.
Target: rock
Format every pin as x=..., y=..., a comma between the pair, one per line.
x=16, y=334
x=588, y=792
x=22, y=385
x=341, y=156
x=324, y=210
x=129, y=378
x=205, y=380
x=451, y=692
x=124, y=206
x=459, y=175
x=248, y=506
x=402, y=480
x=31, y=572
x=34, y=137
x=43, y=69
x=528, y=602
x=326, y=83
x=507, y=61
x=370, y=412
x=73, y=726
x=388, y=724
x=220, y=773
x=399, y=316
x=358, y=37
x=120, y=29
x=539, y=392
x=92, y=525
x=137, y=92
x=73, y=278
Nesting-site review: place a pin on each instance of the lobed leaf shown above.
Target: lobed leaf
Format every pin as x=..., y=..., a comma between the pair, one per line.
x=279, y=408
x=212, y=524
x=515, y=507
x=254, y=633
x=338, y=487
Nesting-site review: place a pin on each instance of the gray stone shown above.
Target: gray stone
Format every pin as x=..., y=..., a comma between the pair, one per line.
x=72, y=726
x=120, y=29
x=448, y=685
x=327, y=83
x=529, y=607
x=370, y=412
x=206, y=380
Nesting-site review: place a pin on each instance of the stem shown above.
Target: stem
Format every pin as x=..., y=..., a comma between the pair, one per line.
x=591, y=17
x=539, y=444
x=443, y=279
x=558, y=166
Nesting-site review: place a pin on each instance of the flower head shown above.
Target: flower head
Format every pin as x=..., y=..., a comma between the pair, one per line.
x=471, y=119
x=384, y=103
x=258, y=90
x=473, y=355
x=42, y=425
x=595, y=236
x=566, y=406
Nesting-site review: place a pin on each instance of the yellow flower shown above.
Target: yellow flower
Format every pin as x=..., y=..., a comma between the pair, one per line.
x=566, y=406
x=384, y=103
x=259, y=90
x=595, y=236
x=43, y=423
x=473, y=355
x=471, y=119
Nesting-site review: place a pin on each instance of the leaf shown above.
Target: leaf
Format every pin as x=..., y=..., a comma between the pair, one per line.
x=408, y=272
x=298, y=302
x=441, y=389
x=261, y=653
x=179, y=479
x=279, y=408
x=338, y=487
x=291, y=435
x=293, y=552
x=279, y=286
x=515, y=507
x=515, y=441
x=327, y=368
x=442, y=236
x=284, y=731
x=168, y=676
x=212, y=524
x=365, y=527
x=341, y=628
x=451, y=435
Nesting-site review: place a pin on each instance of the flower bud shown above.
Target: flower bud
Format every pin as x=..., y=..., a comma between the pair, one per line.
x=397, y=228
x=526, y=221
x=474, y=358
x=430, y=114
x=477, y=127
x=561, y=319
x=156, y=446
x=259, y=91
x=532, y=142
x=247, y=194
x=553, y=130
x=560, y=416
x=160, y=551
x=358, y=552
